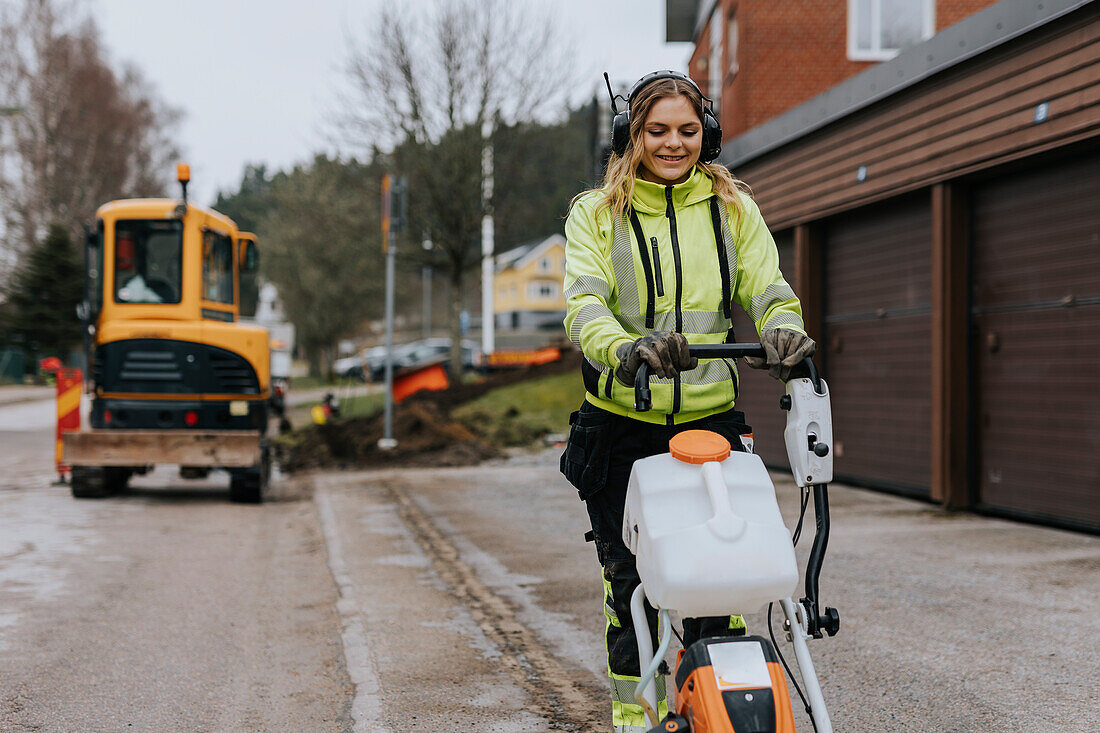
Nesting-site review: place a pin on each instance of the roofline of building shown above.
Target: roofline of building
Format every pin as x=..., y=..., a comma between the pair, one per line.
x=522, y=260
x=969, y=37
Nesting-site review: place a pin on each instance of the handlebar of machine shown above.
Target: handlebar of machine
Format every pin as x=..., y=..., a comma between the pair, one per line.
x=643, y=399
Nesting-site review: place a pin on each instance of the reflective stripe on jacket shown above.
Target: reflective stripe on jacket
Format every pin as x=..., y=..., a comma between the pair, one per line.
x=607, y=286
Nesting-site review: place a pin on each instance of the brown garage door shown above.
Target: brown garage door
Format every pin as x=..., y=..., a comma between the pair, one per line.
x=1036, y=320
x=759, y=395
x=877, y=341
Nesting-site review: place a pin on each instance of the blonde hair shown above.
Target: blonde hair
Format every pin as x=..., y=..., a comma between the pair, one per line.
x=618, y=182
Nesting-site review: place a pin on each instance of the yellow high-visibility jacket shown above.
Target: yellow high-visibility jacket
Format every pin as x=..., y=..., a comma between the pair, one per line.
x=614, y=296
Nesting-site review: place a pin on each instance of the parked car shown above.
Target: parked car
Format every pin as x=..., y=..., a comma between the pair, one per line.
x=418, y=353
x=350, y=366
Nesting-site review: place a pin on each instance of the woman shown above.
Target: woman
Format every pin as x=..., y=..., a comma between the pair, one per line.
x=654, y=259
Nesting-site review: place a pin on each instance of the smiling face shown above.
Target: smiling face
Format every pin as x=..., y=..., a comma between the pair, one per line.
x=672, y=138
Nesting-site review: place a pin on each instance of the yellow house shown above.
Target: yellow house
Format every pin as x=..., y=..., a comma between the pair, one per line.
x=528, y=285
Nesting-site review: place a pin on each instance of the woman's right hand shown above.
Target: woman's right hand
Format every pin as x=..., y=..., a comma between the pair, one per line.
x=666, y=353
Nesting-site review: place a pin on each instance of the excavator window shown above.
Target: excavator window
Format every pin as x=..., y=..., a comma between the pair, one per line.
x=148, y=261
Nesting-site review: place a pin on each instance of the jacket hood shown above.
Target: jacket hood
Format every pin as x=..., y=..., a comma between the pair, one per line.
x=649, y=198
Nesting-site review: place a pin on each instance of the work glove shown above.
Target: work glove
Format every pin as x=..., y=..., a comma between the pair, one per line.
x=666, y=352
x=785, y=350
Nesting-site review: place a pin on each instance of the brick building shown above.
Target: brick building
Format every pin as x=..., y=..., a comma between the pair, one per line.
x=759, y=58
x=937, y=215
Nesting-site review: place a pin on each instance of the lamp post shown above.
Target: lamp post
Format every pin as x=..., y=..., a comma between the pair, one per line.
x=393, y=221
x=487, y=341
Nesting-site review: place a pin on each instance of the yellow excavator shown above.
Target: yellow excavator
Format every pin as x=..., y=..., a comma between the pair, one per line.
x=175, y=378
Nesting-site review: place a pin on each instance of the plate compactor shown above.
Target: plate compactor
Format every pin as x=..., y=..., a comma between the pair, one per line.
x=709, y=539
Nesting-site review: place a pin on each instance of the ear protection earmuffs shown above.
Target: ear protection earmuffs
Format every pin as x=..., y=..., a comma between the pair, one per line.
x=620, y=124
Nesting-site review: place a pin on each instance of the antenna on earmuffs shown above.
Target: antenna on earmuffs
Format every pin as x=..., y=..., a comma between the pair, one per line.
x=614, y=109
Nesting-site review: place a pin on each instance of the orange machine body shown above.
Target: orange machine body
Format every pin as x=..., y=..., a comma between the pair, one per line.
x=733, y=685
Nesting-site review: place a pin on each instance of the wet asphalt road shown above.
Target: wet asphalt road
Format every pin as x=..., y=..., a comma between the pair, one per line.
x=465, y=599
x=950, y=622
x=166, y=609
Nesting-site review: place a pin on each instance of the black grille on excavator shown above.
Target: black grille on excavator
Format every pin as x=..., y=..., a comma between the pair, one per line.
x=164, y=366
x=233, y=374
x=157, y=366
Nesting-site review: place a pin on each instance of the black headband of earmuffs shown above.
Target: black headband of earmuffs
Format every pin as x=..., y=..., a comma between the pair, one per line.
x=620, y=124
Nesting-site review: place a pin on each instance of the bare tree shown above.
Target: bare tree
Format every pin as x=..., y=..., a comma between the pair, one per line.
x=320, y=248
x=431, y=91
x=80, y=133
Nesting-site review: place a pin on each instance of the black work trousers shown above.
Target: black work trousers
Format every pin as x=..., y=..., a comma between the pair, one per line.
x=601, y=451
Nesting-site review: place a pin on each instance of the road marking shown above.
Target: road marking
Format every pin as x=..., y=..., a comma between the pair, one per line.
x=366, y=706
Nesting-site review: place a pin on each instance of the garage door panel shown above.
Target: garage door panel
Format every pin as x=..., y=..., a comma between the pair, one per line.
x=877, y=339
x=878, y=378
x=879, y=258
x=1034, y=242
x=1039, y=412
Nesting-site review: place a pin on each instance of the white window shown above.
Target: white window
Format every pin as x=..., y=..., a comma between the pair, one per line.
x=544, y=264
x=542, y=290
x=879, y=29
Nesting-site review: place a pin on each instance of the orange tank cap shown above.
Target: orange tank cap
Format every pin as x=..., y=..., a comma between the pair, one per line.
x=699, y=446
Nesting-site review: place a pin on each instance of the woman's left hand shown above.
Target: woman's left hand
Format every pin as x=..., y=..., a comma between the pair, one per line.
x=785, y=350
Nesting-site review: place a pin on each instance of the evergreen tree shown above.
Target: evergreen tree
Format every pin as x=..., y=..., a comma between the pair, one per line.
x=249, y=205
x=44, y=293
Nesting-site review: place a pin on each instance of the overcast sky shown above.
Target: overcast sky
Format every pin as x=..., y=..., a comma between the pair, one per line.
x=257, y=78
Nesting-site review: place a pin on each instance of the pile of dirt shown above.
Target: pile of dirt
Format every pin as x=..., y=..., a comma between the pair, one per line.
x=425, y=432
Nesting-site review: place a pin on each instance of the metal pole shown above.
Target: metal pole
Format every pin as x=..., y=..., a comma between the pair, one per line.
x=487, y=340
x=427, y=307
x=427, y=284
x=388, y=440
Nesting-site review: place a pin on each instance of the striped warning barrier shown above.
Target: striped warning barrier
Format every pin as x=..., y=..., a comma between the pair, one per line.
x=70, y=385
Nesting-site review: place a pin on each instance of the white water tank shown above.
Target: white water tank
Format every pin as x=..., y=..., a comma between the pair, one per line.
x=706, y=529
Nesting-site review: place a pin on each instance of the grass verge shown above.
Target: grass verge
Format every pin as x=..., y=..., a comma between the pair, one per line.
x=521, y=414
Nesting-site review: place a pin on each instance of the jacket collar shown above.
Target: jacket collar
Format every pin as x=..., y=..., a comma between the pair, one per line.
x=649, y=198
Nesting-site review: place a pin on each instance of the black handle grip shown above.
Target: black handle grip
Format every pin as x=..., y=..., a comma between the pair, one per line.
x=643, y=398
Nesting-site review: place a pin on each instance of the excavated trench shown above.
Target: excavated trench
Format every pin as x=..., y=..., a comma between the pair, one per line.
x=426, y=433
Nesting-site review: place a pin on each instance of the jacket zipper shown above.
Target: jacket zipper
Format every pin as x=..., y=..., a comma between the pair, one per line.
x=670, y=212
x=657, y=268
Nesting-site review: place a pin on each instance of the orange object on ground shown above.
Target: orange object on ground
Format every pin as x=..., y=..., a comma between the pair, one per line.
x=432, y=377
x=699, y=446
x=524, y=357
x=70, y=384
